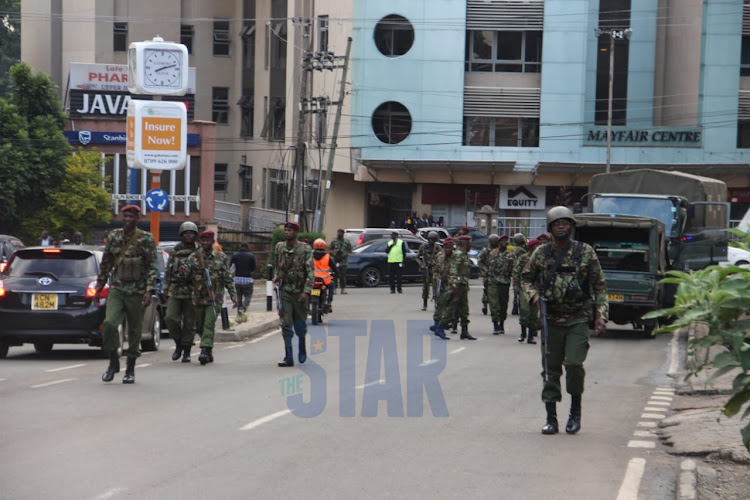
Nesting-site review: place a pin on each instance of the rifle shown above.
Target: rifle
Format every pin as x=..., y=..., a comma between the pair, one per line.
x=279, y=305
x=436, y=289
x=544, y=328
x=207, y=279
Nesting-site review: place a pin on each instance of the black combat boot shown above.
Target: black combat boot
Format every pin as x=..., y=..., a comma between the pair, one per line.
x=129, y=377
x=484, y=308
x=186, y=354
x=501, y=330
x=465, y=335
x=114, y=367
x=434, y=327
x=454, y=329
x=495, y=328
x=424, y=304
x=522, y=337
x=574, y=420
x=532, y=334
x=203, y=356
x=302, y=350
x=440, y=331
x=177, y=350
x=210, y=354
x=551, y=426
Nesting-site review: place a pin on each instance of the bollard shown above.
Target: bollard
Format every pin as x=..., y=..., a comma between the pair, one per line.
x=269, y=289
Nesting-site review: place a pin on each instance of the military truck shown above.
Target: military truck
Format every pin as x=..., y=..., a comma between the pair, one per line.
x=633, y=254
x=693, y=209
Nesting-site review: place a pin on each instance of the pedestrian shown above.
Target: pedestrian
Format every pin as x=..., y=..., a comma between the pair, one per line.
x=396, y=251
x=499, y=268
x=440, y=222
x=430, y=221
x=293, y=275
x=244, y=267
x=463, y=269
x=130, y=254
x=208, y=270
x=425, y=259
x=178, y=289
x=422, y=221
x=340, y=248
x=77, y=238
x=62, y=239
x=410, y=222
x=528, y=316
x=45, y=240
x=568, y=275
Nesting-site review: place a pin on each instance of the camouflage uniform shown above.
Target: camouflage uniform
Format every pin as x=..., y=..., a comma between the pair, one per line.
x=484, y=256
x=425, y=258
x=180, y=317
x=136, y=274
x=339, y=249
x=498, y=274
x=293, y=273
x=453, y=273
x=571, y=294
x=529, y=316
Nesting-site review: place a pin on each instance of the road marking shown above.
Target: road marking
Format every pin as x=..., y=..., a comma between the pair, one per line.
x=644, y=434
x=144, y=365
x=657, y=416
x=664, y=389
x=648, y=408
x=662, y=398
x=3, y=379
x=110, y=493
x=234, y=346
x=659, y=403
x=267, y=418
x=65, y=368
x=646, y=424
x=641, y=444
x=269, y=334
x=381, y=381
x=53, y=383
x=674, y=363
x=427, y=363
x=458, y=350
x=632, y=480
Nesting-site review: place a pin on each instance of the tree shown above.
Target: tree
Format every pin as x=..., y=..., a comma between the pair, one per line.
x=33, y=148
x=79, y=202
x=10, y=41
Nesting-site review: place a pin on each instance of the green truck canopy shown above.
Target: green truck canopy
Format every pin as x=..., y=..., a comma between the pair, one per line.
x=659, y=182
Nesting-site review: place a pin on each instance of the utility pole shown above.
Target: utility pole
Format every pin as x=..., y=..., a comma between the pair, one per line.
x=299, y=157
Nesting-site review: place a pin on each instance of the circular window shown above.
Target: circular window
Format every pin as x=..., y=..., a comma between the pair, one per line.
x=394, y=35
x=391, y=122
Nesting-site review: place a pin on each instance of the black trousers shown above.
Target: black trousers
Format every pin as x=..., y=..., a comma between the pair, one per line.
x=394, y=279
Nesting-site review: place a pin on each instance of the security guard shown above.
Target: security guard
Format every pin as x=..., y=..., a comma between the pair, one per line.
x=130, y=254
x=396, y=251
x=568, y=274
x=425, y=257
x=499, y=267
x=178, y=289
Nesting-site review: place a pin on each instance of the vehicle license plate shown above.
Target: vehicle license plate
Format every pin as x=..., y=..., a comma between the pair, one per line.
x=316, y=291
x=44, y=301
x=615, y=297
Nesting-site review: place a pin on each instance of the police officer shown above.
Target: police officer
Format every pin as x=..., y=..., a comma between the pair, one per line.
x=425, y=257
x=340, y=248
x=499, y=268
x=568, y=274
x=396, y=250
x=131, y=256
x=204, y=297
x=178, y=290
x=293, y=274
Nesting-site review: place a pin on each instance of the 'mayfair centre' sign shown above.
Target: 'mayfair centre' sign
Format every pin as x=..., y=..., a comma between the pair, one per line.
x=662, y=137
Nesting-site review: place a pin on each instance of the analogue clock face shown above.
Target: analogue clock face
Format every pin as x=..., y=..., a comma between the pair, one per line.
x=162, y=68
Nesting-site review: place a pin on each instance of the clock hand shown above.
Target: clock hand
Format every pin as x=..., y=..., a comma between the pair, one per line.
x=165, y=67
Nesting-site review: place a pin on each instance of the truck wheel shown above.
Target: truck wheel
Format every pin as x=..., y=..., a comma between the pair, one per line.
x=3, y=350
x=43, y=346
x=648, y=330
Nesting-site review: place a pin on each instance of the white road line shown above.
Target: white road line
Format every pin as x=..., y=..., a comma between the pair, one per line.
x=267, y=418
x=662, y=398
x=144, y=365
x=458, y=350
x=3, y=379
x=644, y=434
x=664, y=388
x=64, y=368
x=53, y=383
x=648, y=408
x=427, y=363
x=646, y=424
x=674, y=363
x=110, y=493
x=381, y=381
x=659, y=403
x=657, y=416
x=263, y=337
x=641, y=444
x=632, y=480
x=234, y=346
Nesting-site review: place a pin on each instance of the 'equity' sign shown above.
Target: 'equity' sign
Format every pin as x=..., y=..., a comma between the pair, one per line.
x=156, y=135
x=522, y=197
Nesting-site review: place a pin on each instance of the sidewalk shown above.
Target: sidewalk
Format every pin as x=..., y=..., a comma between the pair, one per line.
x=714, y=461
x=259, y=321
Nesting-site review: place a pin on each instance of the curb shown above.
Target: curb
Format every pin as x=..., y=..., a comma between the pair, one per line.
x=240, y=332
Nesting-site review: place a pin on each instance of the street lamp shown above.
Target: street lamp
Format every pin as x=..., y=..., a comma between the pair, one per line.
x=623, y=34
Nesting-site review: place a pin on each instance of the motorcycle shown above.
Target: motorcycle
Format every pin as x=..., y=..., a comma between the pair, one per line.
x=320, y=300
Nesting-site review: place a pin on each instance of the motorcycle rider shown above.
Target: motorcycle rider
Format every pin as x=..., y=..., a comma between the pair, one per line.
x=325, y=269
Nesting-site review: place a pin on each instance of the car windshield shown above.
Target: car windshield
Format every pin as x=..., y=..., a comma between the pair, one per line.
x=655, y=208
x=56, y=262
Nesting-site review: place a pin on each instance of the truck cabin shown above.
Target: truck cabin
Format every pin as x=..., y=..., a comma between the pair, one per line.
x=620, y=249
x=669, y=210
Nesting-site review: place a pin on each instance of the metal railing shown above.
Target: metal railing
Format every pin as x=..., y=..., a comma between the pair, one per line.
x=264, y=219
x=531, y=227
x=227, y=214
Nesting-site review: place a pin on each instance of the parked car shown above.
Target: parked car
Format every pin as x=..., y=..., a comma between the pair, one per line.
x=8, y=246
x=367, y=265
x=479, y=238
x=46, y=298
x=441, y=232
x=361, y=236
x=736, y=257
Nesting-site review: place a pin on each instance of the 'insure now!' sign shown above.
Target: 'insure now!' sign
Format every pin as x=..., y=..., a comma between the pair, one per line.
x=156, y=135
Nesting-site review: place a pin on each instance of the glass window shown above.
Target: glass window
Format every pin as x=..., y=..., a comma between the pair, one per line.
x=504, y=51
x=477, y=131
x=506, y=132
x=120, y=37
x=246, y=180
x=745, y=56
x=277, y=119
x=391, y=122
x=323, y=34
x=394, y=35
x=743, y=134
x=501, y=132
x=221, y=38
x=247, y=109
x=276, y=189
x=220, y=105
x=220, y=177
x=187, y=32
x=529, y=132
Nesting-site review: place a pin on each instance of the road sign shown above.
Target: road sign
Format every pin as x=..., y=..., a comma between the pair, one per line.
x=157, y=200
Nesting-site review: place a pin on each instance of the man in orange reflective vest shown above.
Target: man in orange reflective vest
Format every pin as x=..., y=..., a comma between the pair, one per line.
x=325, y=268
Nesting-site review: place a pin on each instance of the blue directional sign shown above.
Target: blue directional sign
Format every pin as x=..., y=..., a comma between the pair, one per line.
x=157, y=200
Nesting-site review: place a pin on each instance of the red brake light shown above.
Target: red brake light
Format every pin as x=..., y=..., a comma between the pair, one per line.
x=2, y=289
x=3, y=265
x=361, y=239
x=91, y=291
x=51, y=250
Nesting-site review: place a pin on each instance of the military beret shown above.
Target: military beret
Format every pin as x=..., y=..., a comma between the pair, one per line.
x=464, y=237
x=503, y=237
x=340, y=230
x=465, y=229
x=448, y=240
x=546, y=236
x=291, y=225
x=532, y=243
x=131, y=208
x=207, y=234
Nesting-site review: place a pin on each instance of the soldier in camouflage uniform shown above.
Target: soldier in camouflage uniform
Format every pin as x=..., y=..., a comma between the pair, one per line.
x=339, y=249
x=499, y=268
x=131, y=289
x=178, y=290
x=425, y=258
x=461, y=313
x=293, y=274
x=444, y=301
x=529, y=317
x=484, y=255
x=206, y=305
x=569, y=275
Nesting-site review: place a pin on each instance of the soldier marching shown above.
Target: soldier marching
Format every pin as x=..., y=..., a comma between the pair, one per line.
x=425, y=258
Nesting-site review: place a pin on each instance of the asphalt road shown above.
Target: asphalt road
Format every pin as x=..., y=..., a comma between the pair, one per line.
x=226, y=430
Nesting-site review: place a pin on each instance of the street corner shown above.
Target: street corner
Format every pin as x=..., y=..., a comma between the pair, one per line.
x=256, y=325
